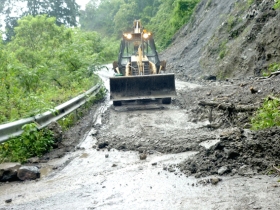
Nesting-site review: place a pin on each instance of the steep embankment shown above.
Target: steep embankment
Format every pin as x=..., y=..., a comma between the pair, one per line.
x=230, y=38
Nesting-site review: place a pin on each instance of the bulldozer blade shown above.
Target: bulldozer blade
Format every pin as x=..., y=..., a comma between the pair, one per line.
x=142, y=87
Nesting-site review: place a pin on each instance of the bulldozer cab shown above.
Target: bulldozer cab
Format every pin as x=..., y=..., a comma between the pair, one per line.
x=136, y=46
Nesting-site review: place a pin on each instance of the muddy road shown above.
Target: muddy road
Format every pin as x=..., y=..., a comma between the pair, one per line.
x=136, y=157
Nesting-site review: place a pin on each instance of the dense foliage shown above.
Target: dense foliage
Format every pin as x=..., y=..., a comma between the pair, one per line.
x=31, y=143
x=113, y=17
x=268, y=115
x=45, y=65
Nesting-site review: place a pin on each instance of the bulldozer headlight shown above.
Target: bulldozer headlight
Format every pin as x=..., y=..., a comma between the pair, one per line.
x=127, y=36
x=146, y=35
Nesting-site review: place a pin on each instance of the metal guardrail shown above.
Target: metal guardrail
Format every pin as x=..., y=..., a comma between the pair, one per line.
x=14, y=129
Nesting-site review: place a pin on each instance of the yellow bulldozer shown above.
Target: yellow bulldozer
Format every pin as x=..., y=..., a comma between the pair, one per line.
x=139, y=74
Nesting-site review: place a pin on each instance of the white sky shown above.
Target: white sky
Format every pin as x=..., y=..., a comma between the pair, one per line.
x=82, y=3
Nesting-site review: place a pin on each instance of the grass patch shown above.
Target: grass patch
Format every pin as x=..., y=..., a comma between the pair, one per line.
x=268, y=115
x=272, y=68
x=222, y=49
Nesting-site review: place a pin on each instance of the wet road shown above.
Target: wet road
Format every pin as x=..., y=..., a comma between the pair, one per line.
x=93, y=180
x=120, y=180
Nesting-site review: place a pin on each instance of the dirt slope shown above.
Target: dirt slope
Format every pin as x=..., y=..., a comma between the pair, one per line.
x=227, y=39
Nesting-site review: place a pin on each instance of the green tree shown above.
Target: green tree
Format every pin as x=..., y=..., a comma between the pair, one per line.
x=65, y=11
x=124, y=18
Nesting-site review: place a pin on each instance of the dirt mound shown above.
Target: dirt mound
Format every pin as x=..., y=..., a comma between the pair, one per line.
x=240, y=152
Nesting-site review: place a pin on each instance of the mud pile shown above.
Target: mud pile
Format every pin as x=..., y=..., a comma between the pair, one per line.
x=240, y=152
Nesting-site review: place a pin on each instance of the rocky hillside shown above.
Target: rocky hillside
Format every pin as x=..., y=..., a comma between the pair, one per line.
x=227, y=39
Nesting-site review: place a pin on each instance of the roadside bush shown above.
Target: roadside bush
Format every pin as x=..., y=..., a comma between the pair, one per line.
x=268, y=115
x=31, y=143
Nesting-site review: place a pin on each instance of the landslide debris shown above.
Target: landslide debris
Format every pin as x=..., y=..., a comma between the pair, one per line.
x=240, y=152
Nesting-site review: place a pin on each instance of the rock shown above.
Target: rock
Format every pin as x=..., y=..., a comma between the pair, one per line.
x=33, y=160
x=8, y=171
x=103, y=145
x=107, y=155
x=93, y=132
x=245, y=170
x=171, y=169
x=121, y=146
x=151, y=152
x=231, y=154
x=197, y=175
x=8, y=200
x=114, y=165
x=210, y=77
x=215, y=180
x=28, y=173
x=223, y=170
x=233, y=171
x=154, y=164
x=57, y=131
x=142, y=149
x=143, y=156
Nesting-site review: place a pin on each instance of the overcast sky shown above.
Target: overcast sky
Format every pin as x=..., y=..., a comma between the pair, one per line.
x=82, y=3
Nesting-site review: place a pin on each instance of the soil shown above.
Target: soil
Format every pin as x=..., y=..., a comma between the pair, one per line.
x=227, y=39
